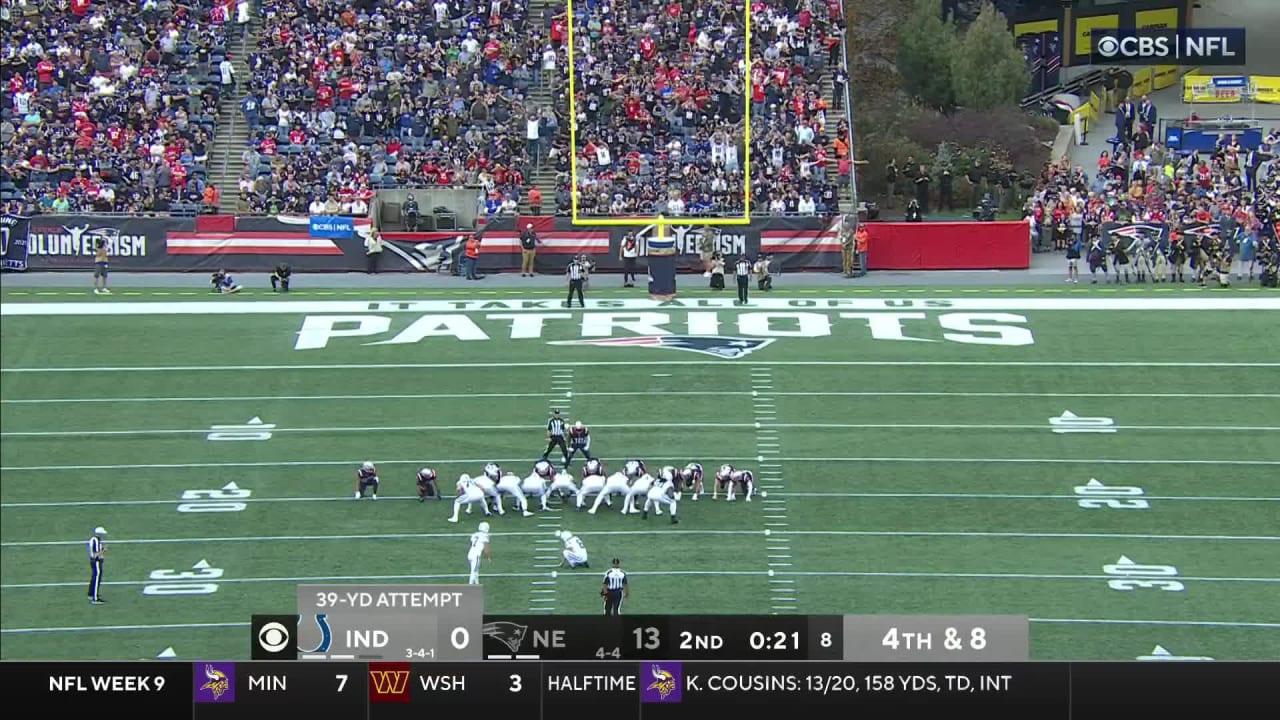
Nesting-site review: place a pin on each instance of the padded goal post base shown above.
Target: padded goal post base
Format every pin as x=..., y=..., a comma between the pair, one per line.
x=662, y=276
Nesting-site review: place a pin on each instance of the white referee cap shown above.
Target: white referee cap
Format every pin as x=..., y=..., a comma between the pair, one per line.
x=99, y=530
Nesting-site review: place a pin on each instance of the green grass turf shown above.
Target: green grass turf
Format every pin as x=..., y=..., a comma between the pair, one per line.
x=936, y=489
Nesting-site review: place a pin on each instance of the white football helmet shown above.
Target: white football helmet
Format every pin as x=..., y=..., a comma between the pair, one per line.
x=367, y=465
x=543, y=468
x=493, y=471
x=577, y=425
x=484, y=527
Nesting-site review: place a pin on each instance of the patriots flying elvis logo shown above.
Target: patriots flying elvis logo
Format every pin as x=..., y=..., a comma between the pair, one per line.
x=1139, y=232
x=728, y=348
x=508, y=633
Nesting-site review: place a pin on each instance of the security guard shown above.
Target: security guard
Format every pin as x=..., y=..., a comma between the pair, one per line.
x=97, y=553
x=555, y=437
x=576, y=274
x=614, y=589
x=742, y=272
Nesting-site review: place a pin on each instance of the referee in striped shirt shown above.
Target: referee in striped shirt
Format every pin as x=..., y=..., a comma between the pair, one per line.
x=577, y=275
x=97, y=553
x=742, y=272
x=614, y=589
x=556, y=430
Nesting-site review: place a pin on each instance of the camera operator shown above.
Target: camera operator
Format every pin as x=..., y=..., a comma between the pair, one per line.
x=764, y=280
x=717, y=271
x=986, y=210
x=280, y=278
x=223, y=283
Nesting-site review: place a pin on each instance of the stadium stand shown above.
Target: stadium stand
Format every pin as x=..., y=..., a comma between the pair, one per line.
x=659, y=97
x=113, y=106
x=347, y=98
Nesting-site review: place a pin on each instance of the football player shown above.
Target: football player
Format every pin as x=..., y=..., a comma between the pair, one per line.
x=575, y=552
x=469, y=493
x=509, y=483
x=536, y=486
x=367, y=478
x=427, y=485
x=691, y=476
x=579, y=441
x=592, y=485
x=662, y=493
x=724, y=479
x=488, y=482
x=633, y=469
x=744, y=480
x=594, y=466
x=479, y=549
x=614, y=484
x=638, y=488
x=562, y=484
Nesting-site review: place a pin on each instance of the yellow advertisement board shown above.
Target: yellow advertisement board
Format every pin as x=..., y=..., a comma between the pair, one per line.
x=1166, y=75
x=1084, y=31
x=1142, y=83
x=1166, y=19
x=1200, y=89
x=1267, y=88
x=1035, y=27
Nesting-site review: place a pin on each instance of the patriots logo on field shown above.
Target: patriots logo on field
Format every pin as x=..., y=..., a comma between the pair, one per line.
x=728, y=348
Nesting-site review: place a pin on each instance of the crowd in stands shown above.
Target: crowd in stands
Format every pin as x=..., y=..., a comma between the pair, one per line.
x=111, y=105
x=345, y=98
x=660, y=93
x=1234, y=190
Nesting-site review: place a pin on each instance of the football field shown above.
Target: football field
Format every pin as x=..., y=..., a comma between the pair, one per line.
x=1104, y=462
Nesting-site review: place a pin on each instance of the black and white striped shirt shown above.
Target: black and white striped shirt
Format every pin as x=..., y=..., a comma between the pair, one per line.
x=615, y=580
x=555, y=427
x=95, y=548
x=574, y=271
x=743, y=268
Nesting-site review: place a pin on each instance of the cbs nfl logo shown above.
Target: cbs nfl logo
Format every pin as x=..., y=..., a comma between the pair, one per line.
x=1168, y=47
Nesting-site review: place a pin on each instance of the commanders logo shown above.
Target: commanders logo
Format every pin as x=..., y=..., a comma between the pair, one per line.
x=389, y=682
x=729, y=348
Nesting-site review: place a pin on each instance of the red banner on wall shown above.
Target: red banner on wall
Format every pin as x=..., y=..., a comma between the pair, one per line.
x=948, y=246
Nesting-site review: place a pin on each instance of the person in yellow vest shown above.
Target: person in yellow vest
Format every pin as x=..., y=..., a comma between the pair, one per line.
x=372, y=251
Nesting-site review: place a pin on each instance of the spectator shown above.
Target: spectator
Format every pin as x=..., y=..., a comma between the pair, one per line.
x=108, y=107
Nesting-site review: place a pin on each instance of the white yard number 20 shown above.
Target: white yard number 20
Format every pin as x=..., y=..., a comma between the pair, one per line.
x=1132, y=576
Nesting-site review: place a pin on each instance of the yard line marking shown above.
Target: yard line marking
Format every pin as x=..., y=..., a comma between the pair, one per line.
x=626, y=393
x=100, y=369
x=775, y=534
x=220, y=625
x=681, y=458
x=634, y=427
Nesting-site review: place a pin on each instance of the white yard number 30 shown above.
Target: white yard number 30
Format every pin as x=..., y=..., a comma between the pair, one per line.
x=1142, y=577
x=186, y=582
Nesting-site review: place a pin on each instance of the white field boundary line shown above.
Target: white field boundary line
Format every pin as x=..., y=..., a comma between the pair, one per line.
x=772, y=495
x=1036, y=620
x=633, y=427
x=662, y=532
x=683, y=573
x=1144, y=364
x=221, y=625
x=552, y=396
x=481, y=461
x=481, y=305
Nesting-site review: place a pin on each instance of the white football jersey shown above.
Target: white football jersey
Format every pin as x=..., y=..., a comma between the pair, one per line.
x=478, y=542
x=573, y=544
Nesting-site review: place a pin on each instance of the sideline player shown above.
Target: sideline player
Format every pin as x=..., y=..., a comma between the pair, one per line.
x=469, y=493
x=427, y=486
x=575, y=552
x=367, y=478
x=479, y=549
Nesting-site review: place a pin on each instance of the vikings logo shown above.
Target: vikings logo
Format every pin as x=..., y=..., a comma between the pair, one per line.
x=663, y=682
x=218, y=683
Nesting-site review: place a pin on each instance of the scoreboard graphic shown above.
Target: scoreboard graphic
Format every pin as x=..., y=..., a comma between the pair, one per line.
x=389, y=652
